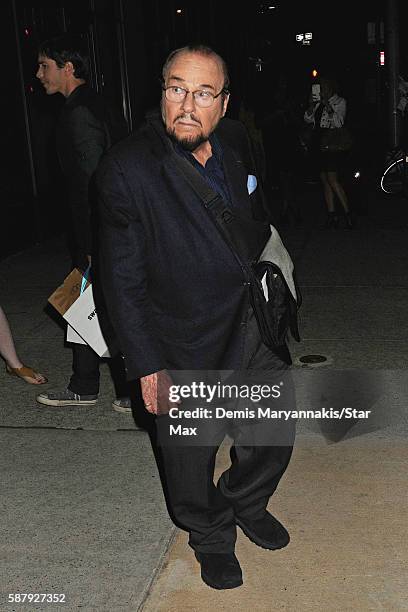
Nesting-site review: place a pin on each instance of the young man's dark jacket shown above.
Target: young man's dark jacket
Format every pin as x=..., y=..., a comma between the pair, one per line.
x=176, y=295
x=84, y=133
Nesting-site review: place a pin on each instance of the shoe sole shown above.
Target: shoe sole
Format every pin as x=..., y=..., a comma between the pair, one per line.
x=258, y=541
x=50, y=402
x=122, y=410
x=213, y=585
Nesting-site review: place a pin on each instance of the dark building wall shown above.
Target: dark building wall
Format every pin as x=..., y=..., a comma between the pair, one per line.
x=129, y=40
x=18, y=225
x=32, y=188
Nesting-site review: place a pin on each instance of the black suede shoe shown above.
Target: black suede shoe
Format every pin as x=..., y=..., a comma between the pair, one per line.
x=266, y=532
x=220, y=570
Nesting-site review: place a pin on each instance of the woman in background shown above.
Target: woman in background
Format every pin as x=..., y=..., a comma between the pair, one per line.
x=327, y=111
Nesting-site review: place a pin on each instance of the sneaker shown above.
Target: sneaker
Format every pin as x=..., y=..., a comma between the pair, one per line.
x=66, y=398
x=122, y=405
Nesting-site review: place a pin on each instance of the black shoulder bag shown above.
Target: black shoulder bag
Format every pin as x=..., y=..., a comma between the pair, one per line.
x=276, y=314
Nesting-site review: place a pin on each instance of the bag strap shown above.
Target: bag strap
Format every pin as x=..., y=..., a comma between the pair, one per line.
x=223, y=216
x=212, y=200
x=215, y=205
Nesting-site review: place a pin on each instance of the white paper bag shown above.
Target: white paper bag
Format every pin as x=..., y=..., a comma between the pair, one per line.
x=83, y=318
x=72, y=336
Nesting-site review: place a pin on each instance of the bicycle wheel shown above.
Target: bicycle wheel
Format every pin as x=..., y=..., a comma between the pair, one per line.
x=395, y=177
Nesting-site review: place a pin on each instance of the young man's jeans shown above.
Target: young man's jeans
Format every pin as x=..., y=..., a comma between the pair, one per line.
x=85, y=376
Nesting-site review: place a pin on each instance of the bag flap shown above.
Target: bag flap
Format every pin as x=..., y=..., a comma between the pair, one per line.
x=275, y=252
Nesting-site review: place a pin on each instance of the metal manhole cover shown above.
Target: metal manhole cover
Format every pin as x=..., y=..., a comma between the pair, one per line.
x=312, y=359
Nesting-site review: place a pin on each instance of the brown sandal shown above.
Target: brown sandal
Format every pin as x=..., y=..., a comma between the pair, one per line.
x=27, y=373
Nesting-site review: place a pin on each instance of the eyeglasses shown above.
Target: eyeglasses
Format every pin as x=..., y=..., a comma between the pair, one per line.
x=202, y=97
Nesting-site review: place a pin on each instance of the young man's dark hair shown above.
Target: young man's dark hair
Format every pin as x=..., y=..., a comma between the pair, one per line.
x=68, y=48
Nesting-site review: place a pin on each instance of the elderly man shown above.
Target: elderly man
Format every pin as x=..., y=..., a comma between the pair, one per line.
x=178, y=296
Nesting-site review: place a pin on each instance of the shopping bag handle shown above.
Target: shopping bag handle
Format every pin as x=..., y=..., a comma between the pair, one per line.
x=85, y=278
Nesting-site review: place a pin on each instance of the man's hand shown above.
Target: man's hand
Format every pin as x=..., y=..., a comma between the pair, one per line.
x=155, y=392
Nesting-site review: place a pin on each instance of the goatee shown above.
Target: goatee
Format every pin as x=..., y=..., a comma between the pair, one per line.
x=188, y=144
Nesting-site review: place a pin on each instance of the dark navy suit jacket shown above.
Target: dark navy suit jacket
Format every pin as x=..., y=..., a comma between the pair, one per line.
x=176, y=295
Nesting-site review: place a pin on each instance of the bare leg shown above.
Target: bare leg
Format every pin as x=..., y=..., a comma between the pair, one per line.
x=328, y=192
x=9, y=354
x=338, y=190
x=7, y=348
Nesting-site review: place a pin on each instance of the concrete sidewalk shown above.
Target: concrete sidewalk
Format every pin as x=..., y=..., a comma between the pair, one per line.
x=345, y=508
x=84, y=509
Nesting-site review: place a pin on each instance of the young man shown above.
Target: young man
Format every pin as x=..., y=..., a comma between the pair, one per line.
x=82, y=137
x=178, y=298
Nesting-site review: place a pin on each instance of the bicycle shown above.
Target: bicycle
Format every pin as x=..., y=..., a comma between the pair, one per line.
x=394, y=179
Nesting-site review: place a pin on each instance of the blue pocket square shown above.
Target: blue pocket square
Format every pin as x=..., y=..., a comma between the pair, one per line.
x=251, y=183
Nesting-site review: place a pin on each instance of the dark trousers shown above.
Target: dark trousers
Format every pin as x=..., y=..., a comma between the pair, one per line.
x=208, y=511
x=85, y=372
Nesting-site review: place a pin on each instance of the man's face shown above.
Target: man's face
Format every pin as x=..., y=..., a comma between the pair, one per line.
x=186, y=122
x=52, y=78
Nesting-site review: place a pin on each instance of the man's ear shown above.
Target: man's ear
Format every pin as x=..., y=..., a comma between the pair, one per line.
x=225, y=104
x=69, y=68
